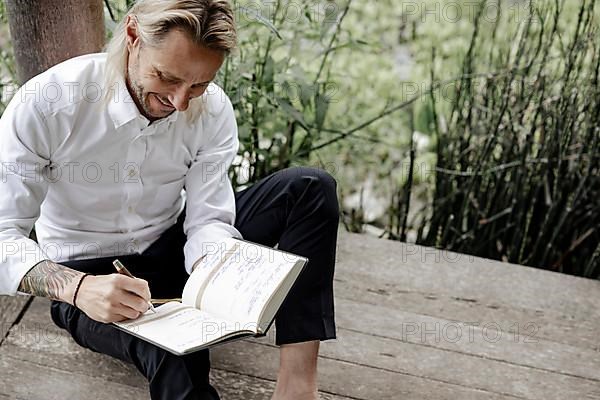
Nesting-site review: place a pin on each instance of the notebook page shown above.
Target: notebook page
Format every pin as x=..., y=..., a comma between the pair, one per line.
x=245, y=282
x=178, y=327
x=207, y=267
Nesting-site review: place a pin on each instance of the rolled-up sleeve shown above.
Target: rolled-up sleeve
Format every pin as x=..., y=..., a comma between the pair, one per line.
x=24, y=156
x=210, y=207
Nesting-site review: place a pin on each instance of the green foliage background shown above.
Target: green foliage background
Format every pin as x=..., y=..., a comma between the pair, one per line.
x=437, y=117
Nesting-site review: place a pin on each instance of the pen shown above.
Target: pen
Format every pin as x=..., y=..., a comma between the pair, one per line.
x=122, y=270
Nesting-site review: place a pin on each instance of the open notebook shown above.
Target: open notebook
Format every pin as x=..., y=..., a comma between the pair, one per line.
x=234, y=292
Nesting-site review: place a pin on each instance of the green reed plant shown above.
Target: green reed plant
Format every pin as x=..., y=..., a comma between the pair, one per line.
x=517, y=175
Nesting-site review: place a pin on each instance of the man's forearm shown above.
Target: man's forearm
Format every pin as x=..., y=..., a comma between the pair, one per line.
x=48, y=279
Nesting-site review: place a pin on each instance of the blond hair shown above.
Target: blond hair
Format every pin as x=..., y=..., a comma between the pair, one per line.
x=209, y=23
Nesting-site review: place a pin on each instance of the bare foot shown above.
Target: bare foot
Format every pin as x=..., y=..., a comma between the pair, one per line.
x=313, y=395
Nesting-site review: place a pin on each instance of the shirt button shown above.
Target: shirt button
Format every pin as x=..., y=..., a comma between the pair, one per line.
x=130, y=209
x=132, y=172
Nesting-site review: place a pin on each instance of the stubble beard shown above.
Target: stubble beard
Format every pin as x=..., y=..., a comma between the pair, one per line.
x=140, y=95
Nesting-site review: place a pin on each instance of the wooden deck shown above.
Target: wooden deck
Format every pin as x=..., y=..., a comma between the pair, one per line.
x=413, y=323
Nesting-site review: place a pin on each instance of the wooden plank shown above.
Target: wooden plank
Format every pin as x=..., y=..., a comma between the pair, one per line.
x=26, y=380
x=549, y=325
x=452, y=286
x=65, y=369
x=351, y=379
x=458, y=368
x=62, y=353
x=236, y=386
x=445, y=273
x=31, y=381
x=44, y=346
x=487, y=340
x=10, y=309
x=38, y=312
x=37, y=340
x=52, y=348
x=418, y=361
x=373, y=359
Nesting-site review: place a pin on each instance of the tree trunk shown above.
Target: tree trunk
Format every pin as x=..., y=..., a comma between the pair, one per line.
x=46, y=32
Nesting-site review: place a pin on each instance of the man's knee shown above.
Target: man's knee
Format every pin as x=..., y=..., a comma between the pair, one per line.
x=319, y=178
x=320, y=175
x=320, y=184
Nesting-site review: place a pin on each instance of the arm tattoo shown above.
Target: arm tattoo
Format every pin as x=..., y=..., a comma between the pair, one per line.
x=47, y=279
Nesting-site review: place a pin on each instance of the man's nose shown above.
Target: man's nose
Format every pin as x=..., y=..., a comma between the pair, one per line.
x=180, y=99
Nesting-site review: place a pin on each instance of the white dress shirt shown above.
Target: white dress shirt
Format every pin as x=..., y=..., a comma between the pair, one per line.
x=99, y=180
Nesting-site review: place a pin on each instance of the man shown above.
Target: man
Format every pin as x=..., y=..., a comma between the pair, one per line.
x=96, y=151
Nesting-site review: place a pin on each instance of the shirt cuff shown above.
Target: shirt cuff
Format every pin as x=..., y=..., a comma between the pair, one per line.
x=208, y=239
x=18, y=257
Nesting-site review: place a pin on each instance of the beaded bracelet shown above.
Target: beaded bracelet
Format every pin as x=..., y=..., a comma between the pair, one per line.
x=77, y=289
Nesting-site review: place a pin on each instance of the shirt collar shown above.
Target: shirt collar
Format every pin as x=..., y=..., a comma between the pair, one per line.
x=122, y=109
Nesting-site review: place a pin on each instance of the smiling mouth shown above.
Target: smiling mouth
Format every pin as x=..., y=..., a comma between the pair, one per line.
x=169, y=106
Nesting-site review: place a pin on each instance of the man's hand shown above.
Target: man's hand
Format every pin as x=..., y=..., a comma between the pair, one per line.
x=104, y=298
x=114, y=297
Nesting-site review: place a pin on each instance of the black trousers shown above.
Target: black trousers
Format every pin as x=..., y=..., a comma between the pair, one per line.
x=295, y=208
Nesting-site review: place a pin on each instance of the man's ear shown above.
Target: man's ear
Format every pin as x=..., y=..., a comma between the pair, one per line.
x=131, y=32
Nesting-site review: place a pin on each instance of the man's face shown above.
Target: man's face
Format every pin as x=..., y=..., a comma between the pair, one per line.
x=165, y=78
